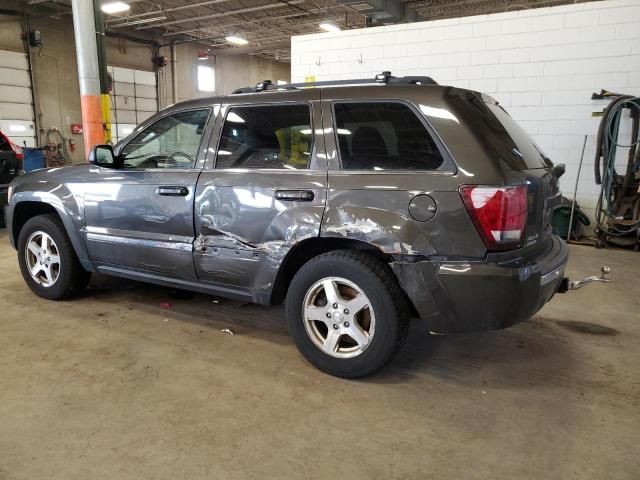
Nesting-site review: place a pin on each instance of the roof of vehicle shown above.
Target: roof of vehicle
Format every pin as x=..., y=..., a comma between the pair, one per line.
x=383, y=80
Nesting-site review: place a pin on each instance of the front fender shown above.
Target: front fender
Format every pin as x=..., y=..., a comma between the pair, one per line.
x=65, y=203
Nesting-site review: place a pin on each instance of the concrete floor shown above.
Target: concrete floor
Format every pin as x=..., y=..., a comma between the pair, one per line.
x=111, y=385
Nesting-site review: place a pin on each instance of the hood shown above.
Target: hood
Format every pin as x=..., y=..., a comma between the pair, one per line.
x=55, y=174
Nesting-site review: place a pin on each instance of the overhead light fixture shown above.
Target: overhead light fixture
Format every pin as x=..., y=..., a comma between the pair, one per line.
x=115, y=7
x=139, y=21
x=236, y=40
x=329, y=27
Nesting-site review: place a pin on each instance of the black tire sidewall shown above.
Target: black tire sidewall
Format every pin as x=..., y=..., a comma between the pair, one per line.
x=387, y=331
x=67, y=257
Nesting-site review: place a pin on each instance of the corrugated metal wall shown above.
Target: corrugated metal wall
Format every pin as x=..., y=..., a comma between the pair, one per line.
x=16, y=98
x=133, y=99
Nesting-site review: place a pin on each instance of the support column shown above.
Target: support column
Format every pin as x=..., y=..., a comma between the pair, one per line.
x=102, y=70
x=88, y=72
x=174, y=72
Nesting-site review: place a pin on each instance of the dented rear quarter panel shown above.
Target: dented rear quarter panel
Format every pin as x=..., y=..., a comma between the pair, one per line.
x=374, y=206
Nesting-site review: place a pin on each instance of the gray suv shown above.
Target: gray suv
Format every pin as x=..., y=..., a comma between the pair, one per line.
x=358, y=205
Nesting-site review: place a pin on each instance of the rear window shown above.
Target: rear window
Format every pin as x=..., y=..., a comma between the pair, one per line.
x=384, y=136
x=513, y=142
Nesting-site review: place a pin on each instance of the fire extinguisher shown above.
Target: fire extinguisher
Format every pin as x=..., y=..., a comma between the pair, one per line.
x=72, y=145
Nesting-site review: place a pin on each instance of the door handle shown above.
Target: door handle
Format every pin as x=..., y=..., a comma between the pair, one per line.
x=172, y=191
x=295, y=195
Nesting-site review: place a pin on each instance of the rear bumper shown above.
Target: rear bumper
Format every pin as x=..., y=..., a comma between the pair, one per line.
x=457, y=297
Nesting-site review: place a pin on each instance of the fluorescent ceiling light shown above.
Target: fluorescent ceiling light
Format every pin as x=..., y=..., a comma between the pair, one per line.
x=235, y=39
x=139, y=21
x=329, y=27
x=115, y=7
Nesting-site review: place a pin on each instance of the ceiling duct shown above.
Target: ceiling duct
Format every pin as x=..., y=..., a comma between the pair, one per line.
x=383, y=11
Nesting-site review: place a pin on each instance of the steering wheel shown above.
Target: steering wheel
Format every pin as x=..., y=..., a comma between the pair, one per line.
x=172, y=157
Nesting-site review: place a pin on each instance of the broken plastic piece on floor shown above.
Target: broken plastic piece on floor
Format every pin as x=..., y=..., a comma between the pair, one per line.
x=227, y=331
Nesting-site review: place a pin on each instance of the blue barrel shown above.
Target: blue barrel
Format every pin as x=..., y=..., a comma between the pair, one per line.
x=33, y=159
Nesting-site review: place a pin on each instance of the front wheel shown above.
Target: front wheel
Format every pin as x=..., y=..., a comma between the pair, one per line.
x=48, y=263
x=346, y=313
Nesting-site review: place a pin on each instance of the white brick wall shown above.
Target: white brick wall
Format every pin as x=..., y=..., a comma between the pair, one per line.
x=541, y=64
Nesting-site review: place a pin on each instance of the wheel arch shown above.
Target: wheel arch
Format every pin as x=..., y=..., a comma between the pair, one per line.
x=307, y=249
x=26, y=209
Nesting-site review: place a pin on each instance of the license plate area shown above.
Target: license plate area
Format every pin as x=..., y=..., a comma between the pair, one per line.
x=556, y=274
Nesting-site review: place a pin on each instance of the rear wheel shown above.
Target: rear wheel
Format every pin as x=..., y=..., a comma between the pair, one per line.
x=48, y=263
x=346, y=313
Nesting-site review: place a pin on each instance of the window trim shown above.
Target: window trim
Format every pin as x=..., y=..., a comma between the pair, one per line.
x=449, y=165
x=227, y=108
x=168, y=113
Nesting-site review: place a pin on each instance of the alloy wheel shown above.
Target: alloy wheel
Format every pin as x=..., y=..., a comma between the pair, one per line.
x=338, y=317
x=43, y=258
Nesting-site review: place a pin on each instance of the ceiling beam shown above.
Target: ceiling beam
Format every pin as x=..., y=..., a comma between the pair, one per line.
x=268, y=6
x=270, y=18
x=167, y=10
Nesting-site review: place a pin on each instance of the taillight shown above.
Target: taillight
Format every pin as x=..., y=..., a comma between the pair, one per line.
x=499, y=214
x=17, y=150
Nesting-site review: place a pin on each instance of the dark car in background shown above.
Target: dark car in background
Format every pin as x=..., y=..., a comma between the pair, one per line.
x=11, y=159
x=358, y=206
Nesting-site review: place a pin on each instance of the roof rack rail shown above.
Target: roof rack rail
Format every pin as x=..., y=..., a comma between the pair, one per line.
x=382, y=78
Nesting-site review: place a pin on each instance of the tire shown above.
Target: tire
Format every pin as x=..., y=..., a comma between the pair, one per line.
x=2, y=205
x=367, y=337
x=64, y=281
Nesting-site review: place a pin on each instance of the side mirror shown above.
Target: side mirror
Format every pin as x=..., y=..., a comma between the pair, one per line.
x=102, y=156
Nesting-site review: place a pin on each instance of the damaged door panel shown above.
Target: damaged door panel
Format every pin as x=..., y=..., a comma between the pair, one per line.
x=263, y=192
x=140, y=215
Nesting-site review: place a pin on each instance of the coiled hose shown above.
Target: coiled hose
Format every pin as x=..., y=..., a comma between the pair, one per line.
x=618, y=207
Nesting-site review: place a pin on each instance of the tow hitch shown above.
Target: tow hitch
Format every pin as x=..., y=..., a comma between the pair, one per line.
x=568, y=284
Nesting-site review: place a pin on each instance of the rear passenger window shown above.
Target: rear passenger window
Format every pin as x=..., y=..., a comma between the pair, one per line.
x=269, y=136
x=384, y=136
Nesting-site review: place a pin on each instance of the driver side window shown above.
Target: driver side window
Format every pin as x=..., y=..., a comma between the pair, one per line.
x=171, y=142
